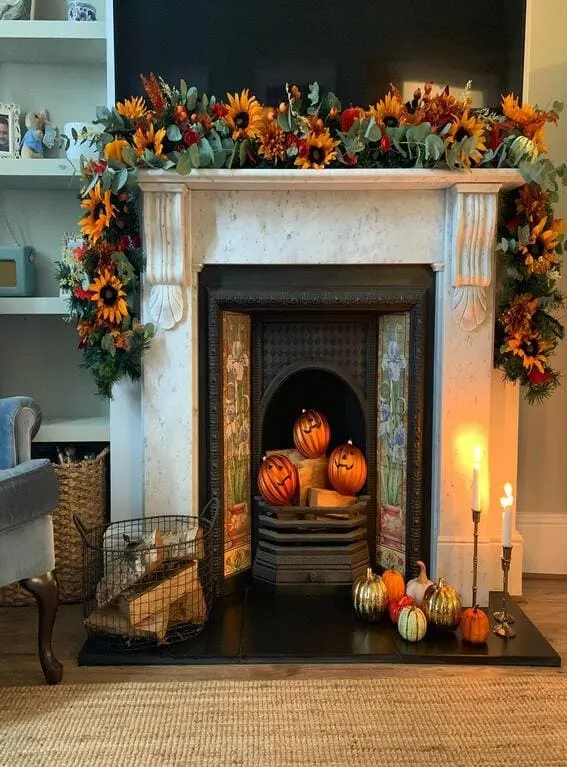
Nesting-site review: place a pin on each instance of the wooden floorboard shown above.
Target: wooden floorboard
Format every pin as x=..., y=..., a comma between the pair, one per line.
x=545, y=601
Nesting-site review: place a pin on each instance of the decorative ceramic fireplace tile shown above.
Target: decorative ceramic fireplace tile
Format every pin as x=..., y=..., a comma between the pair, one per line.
x=236, y=441
x=393, y=393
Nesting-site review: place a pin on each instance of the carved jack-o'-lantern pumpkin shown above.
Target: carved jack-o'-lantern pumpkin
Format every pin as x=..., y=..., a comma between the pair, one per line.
x=347, y=469
x=311, y=434
x=277, y=480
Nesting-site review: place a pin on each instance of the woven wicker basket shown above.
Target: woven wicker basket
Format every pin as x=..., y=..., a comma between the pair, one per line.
x=82, y=491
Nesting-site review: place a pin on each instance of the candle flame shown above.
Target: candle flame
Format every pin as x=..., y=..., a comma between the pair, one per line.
x=507, y=499
x=477, y=454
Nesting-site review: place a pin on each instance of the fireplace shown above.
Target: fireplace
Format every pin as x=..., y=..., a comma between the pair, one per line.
x=308, y=224
x=352, y=343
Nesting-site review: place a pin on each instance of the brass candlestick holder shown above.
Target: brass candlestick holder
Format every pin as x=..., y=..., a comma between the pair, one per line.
x=476, y=520
x=504, y=619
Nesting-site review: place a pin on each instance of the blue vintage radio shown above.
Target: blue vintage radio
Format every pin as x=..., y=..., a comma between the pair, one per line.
x=17, y=276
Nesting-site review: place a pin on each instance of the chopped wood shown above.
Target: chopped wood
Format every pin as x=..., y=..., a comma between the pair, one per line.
x=109, y=620
x=322, y=498
x=312, y=472
x=141, y=601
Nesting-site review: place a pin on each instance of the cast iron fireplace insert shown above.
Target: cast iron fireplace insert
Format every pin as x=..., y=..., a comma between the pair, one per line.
x=312, y=336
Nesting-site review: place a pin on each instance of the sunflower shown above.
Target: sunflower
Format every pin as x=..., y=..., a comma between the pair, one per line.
x=113, y=150
x=272, y=142
x=149, y=138
x=539, y=251
x=244, y=115
x=100, y=213
x=528, y=120
x=531, y=349
x=391, y=111
x=133, y=109
x=467, y=126
x=316, y=151
x=533, y=202
x=517, y=318
x=108, y=293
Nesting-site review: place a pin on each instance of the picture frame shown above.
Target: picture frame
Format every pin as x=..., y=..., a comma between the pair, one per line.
x=10, y=135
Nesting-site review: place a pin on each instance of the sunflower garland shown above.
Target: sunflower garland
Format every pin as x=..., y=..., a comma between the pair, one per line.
x=180, y=129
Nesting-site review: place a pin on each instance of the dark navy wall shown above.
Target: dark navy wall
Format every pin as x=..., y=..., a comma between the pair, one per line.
x=354, y=47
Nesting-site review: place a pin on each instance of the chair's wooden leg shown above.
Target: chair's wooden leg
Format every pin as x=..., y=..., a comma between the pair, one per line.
x=45, y=591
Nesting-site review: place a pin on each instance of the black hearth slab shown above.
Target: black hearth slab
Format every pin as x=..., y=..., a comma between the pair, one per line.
x=282, y=628
x=314, y=628
x=528, y=648
x=219, y=642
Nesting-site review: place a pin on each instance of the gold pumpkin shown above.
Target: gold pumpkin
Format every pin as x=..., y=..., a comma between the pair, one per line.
x=311, y=434
x=369, y=597
x=442, y=606
x=277, y=480
x=347, y=469
x=475, y=626
x=412, y=624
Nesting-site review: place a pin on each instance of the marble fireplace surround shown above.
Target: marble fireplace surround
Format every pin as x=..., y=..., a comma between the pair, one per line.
x=353, y=216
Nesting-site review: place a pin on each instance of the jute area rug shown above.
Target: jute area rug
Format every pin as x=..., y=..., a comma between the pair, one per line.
x=451, y=721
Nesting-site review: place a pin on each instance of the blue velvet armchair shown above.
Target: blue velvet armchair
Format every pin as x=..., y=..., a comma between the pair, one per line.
x=28, y=494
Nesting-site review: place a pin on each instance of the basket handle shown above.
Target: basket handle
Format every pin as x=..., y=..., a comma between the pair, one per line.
x=83, y=532
x=210, y=512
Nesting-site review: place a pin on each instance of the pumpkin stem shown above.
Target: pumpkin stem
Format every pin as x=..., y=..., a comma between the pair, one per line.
x=422, y=577
x=369, y=573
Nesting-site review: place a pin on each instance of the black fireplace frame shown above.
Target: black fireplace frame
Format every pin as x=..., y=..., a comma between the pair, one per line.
x=250, y=289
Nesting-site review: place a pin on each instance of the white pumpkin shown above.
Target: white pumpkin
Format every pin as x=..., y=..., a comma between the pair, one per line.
x=412, y=624
x=417, y=587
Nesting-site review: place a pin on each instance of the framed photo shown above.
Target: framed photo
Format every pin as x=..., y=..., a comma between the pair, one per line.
x=10, y=136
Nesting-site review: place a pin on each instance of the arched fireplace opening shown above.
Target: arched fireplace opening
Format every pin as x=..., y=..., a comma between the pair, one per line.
x=313, y=388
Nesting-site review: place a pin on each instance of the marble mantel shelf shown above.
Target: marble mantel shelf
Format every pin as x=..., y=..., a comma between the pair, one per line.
x=358, y=179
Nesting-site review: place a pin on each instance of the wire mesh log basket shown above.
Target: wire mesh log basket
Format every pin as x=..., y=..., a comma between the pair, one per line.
x=148, y=581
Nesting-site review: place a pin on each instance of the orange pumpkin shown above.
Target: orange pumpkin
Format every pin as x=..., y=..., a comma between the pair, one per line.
x=311, y=434
x=277, y=480
x=347, y=469
x=395, y=584
x=475, y=626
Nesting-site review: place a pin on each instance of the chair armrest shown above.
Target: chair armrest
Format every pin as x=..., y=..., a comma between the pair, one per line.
x=20, y=419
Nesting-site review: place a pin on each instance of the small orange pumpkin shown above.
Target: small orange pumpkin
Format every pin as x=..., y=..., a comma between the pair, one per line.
x=311, y=434
x=475, y=626
x=395, y=584
x=277, y=480
x=347, y=469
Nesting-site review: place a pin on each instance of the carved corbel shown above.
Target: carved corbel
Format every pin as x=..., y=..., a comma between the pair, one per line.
x=472, y=249
x=165, y=225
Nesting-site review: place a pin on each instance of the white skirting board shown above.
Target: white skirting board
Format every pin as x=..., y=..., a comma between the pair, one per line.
x=545, y=542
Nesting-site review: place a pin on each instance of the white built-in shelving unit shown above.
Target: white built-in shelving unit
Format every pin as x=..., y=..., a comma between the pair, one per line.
x=62, y=66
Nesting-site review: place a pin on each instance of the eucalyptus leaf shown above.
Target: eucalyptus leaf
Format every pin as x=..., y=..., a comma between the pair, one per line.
x=205, y=103
x=184, y=164
x=173, y=133
x=129, y=155
x=107, y=344
x=215, y=141
x=119, y=180
x=206, y=154
x=502, y=245
x=524, y=234
x=192, y=95
x=106, y=180
x=194, y=154
x=313, y=93
x=219, y=158
x=434, y=147
x=243, y=152
x=103, y=113
x=372, y=132
x=183, y=88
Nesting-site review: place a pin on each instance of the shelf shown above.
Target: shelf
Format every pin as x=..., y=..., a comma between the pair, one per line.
x=58, y=174
x=33, y=305
x=53, y=42
x=74, y=430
